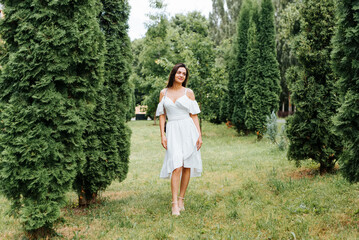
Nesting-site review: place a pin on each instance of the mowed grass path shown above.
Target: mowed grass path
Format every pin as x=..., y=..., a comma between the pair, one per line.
x=248, y=191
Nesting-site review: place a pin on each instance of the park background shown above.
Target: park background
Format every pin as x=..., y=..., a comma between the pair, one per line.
x=74, y=166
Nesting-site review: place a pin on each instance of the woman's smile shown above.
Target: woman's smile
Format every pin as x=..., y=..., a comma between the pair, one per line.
x=180, y=75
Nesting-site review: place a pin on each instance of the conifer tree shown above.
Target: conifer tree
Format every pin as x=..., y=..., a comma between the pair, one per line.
x=262, y=89
x=107, y=136
x=269, y=64
x=345, y=64
x=50, y=77
x=310, y=128
x=255, y=111
x=237, y=73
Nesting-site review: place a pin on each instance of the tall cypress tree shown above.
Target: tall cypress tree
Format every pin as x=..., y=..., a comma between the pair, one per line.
x=255, y=110
x=50, y=76
x=310, y=128
x=237, y=73
x=269, y=64
x=107, y=136
x=345, y=63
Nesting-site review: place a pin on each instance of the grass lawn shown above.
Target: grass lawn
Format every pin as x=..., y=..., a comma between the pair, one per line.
x=248, y=191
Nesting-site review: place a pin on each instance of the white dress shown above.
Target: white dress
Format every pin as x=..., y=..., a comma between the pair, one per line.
x=181, y=134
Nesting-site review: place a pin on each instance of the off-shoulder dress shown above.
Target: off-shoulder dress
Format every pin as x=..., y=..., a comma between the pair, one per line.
x=182, y=135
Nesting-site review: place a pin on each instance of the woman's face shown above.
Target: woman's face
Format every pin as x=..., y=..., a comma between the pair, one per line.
x=180, y=75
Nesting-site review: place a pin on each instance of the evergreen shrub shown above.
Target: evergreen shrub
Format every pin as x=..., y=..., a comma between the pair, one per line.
x=272, y=127
x=107, y=136
x=346, y=66
x=237, y=71
x=51, y=73
x=314, y=94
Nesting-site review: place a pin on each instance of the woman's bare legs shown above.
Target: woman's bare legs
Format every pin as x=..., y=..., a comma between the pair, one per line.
x=186, y=174
x=175, y=182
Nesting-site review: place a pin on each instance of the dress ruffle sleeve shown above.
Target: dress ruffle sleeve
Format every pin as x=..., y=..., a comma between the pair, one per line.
x=193, y=107
x=160, y=109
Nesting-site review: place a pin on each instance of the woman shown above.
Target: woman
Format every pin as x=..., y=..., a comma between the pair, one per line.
x=182, y=139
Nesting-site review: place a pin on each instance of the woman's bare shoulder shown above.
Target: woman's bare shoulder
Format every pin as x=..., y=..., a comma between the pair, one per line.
x=163, y=91
x=190, y=94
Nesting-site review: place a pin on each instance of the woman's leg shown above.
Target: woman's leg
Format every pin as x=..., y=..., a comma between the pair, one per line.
x=186, y=174
x=175, y=182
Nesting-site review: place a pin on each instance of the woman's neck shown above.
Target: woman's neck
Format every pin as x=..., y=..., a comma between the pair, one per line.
x=176, y=86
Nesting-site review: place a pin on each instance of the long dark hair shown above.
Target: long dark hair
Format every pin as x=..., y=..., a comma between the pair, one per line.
x=173, y=73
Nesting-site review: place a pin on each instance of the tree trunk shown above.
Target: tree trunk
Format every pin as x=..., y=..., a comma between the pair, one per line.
x=86, y=199
x=82, y=198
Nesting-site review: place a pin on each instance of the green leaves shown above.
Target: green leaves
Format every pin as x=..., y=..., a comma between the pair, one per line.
x=184, y=38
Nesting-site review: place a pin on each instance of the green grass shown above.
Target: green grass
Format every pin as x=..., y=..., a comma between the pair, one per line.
x=248, y=191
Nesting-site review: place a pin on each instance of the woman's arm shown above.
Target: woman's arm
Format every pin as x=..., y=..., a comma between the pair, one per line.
x=194, y=117
x=162, y=124
x=196, y=122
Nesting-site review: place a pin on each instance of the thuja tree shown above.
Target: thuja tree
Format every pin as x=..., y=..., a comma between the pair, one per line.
x=345, y=63
x=107, y=137
x=269, y=65
x=261, y=87
x=50, y=76
x=310, y=129
x=255, y=111
x=237, y=73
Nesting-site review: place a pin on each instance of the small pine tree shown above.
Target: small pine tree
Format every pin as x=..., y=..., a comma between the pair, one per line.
x=313, y=92
x=237, y=73
x=107, y=136
x=272, y=127
x=345, y=64
x=50, y=77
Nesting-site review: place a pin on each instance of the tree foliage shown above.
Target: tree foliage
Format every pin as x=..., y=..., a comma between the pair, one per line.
x=288, y=27
x=183, y=38
x=51, y=73
x=269, y=65
x=255, y=110
x=223, y=19
x=254, y=74
x=346, y=66
x=310, y=129
x=237, y=68
x=107, y=137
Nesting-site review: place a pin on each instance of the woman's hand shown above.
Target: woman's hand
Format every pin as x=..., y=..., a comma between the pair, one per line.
x=164, y=141
x=199, y=143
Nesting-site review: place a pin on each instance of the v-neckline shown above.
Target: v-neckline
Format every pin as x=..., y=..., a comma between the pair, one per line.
x=174, y=102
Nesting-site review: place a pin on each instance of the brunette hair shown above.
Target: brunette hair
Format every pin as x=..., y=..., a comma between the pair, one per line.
x=173, y=73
